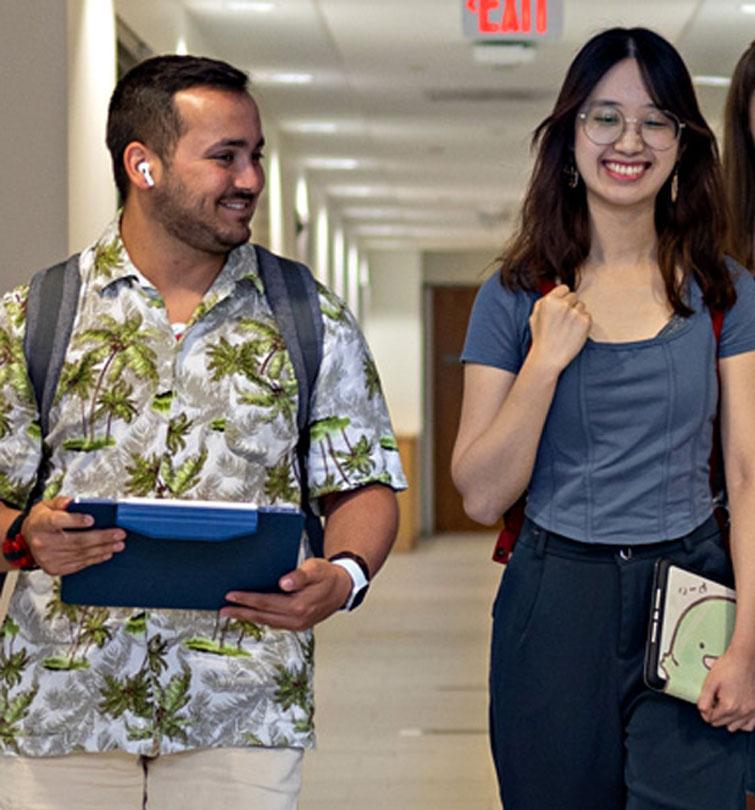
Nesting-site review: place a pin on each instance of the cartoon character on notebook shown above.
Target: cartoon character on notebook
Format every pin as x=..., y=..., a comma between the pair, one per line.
x=700, y=636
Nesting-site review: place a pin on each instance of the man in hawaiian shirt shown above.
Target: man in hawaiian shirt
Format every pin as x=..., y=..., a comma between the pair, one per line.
x=177, y=384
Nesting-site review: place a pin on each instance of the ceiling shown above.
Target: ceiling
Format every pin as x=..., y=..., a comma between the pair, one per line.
x=434, y=145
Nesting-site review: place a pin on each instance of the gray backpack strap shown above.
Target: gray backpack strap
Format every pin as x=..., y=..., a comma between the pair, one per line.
x=50, y=312
x=292, y=294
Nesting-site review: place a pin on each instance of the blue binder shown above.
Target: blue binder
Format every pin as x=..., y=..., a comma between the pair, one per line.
x=186, y=554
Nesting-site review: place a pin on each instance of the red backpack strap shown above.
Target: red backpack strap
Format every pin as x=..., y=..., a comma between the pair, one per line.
x=717, y=478
x=717, y=321
x=513, y=517
x=546, y=285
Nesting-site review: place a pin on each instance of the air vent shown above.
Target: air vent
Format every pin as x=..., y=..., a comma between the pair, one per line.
x=485, y=94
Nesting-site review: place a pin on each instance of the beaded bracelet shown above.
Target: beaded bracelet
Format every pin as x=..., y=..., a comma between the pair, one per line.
x=15, y=548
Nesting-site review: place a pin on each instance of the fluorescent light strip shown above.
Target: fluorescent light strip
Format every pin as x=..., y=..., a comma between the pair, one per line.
x=270, y=77
x=747, y=8
x=712, y=81
x=332, y=163
x=240, y=5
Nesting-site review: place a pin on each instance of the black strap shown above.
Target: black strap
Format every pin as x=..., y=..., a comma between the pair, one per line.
x=292, y=294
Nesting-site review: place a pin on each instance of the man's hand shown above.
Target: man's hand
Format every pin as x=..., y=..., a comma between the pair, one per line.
x=314, y=591
x=56, y=545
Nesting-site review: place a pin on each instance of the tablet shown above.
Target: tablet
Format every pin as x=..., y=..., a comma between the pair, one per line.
x=186, y=554
x=691, y=623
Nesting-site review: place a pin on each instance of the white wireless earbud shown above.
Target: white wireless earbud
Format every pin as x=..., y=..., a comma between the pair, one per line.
x=143, y=167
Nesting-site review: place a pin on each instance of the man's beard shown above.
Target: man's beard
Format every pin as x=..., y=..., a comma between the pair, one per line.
x=187, y=224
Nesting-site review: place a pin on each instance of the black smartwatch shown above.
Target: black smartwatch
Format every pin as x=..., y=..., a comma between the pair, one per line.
x=356, y=567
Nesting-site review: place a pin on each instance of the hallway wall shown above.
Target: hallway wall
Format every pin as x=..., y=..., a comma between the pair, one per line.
x=33, y=138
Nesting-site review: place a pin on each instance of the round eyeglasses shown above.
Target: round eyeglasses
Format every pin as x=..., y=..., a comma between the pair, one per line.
x=605, y=124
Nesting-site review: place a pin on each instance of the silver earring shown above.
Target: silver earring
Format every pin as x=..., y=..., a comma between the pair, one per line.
x=675, y=184
x=572, y=176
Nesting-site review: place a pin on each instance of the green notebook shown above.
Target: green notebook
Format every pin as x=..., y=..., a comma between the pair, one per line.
x=691, y=623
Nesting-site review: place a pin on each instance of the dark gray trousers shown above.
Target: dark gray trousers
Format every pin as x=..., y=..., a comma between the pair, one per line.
x=573, y=727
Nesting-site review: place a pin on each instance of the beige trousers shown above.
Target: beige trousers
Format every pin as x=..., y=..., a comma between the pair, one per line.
x=227, y=778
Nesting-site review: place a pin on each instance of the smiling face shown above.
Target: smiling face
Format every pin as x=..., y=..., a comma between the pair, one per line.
x=207, y=192
x=626, y=172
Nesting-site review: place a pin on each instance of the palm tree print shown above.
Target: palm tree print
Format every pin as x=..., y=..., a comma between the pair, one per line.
x=261, y=360
x=12, y=664
x=155, y=475
x=320, y=433
x=87, y=627
x=371, y=377
x=116, y=348
x=217, y=644
x=178, y=429
x=13, y=365
x=12, y=492
x=77, y=379
x=292, y=688
x=108, y=258
x=116, y=403
x=279, y=483
x=12, y=712
x=359, y=457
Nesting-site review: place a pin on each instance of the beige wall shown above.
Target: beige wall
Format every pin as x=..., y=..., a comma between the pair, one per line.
x=34, y=100
x=393, y=327
x=92, y=197
x=462, y=267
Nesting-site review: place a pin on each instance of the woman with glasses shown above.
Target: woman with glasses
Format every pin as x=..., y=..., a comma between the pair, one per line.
x=599, y=398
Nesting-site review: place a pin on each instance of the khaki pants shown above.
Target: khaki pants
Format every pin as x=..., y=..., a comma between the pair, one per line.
x=232, y=778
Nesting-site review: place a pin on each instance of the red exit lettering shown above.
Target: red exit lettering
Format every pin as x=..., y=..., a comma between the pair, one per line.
x=510, y=20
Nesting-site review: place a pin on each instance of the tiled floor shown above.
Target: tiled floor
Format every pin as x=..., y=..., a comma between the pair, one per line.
x=401, y=688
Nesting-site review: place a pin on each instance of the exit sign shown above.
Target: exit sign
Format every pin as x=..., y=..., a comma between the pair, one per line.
x=515, y=20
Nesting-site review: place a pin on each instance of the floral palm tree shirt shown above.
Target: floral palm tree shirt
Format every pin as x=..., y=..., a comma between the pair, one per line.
x=208, y=416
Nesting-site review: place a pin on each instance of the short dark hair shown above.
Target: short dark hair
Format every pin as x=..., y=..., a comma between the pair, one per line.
x=739, y=159
x=553, y=238
x=142, y=108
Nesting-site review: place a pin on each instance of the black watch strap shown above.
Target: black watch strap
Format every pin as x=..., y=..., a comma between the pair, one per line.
x=358, y=559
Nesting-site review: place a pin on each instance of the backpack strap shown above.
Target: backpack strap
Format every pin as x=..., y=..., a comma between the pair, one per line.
x=50, y=312
x=292, y=293
x=513, y=517
x=717, y=473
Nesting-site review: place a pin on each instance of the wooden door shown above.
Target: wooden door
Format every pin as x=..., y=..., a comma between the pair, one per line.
x=450, y=308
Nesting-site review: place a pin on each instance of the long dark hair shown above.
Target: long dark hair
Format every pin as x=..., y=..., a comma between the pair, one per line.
x=553, y=237
x=739, y=159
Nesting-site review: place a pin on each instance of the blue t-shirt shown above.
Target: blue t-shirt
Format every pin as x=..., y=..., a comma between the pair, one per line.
x=625, y=450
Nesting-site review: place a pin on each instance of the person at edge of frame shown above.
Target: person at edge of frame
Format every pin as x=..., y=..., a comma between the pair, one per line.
x=739, y=182
x=177, y=384
x=599, y=398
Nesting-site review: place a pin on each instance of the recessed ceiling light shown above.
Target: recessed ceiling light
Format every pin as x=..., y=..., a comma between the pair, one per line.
x=271, y=77
x=747, y=8
x=332, y=163
x=712, y=81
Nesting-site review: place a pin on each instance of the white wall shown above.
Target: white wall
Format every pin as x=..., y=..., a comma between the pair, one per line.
x=34, y=99
x=393, y=327
x=92, y=65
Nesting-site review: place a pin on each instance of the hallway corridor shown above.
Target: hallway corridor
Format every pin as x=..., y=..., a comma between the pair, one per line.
x=401, y=687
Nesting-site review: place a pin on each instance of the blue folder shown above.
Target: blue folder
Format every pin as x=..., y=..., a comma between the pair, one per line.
x=186, y=554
